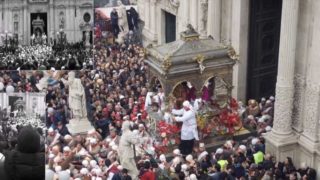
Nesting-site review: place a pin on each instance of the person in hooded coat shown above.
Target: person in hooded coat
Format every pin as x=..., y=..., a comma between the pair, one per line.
x=26, y=162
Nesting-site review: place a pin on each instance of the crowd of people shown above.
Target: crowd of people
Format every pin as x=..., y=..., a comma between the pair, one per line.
x=43, y=57
x=22, y=145
x=116, y=94
x=20, y=81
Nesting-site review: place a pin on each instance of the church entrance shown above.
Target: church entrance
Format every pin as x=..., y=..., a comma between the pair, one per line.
x=263, y=51
x=170, y=27
x=38, y=24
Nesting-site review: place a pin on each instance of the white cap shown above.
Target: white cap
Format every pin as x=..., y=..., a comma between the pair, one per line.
x=84, y=171
x=250, y=117
x=162, y=158
x=176, y=152
x=193, y=177
x=243, y=147
x=271, y=98
x=201, y=145
x=50, y=130
x=229, y=143
x=254, y=141
x=184, y=167
x=98, y=171
x=141, y=125
x=108, y=140
x=67, y=136
x=219, y=151
x=93, y=163
x=189, y=158
x=85, y=163
x=66, y=148
x=176, y=160
x=121, y=97
x=186, y=104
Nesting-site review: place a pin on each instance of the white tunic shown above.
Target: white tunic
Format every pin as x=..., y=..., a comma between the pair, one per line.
x=189, y=127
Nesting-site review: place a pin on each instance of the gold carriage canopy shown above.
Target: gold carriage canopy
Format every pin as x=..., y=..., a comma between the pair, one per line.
x=190, y=59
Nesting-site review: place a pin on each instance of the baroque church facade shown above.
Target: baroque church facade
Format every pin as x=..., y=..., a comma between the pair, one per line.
x=276, y=44
x=23, y=18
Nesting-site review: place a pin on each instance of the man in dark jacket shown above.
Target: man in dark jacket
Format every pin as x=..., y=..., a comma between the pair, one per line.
x=114, y=22
x=26, y=162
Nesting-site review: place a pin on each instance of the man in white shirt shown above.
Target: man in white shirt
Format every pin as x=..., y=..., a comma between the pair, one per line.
x=189, y=131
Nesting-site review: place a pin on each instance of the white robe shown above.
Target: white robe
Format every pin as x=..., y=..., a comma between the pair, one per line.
x=189, y=129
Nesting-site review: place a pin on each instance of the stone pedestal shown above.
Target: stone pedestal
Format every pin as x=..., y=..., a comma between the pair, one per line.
x=79, y=126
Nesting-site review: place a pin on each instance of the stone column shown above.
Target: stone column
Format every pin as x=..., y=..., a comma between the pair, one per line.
x=153, y=21
x=281, y=141
x=310, y=135
x=147, y=14
x=194, y=13
x=51, y=32
x=25, y=25
x=214, y=19
x=284, y=88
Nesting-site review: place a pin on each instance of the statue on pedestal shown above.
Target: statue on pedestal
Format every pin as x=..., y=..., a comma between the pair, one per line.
x=126, y=152
x=122, y=22
x=77, y=104
x=77, y=100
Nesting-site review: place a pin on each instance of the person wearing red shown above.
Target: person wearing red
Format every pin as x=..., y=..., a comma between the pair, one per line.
x=146, y=173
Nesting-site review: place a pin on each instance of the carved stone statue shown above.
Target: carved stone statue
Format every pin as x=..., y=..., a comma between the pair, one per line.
x=61, y=25
x=204, y=17
x=126, y=153
x=77, y=104
x=87, y=39
x=77, y=99
x=122, y=18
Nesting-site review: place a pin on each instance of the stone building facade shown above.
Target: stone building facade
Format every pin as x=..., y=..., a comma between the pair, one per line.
x=282, y=37
x=22, y=17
